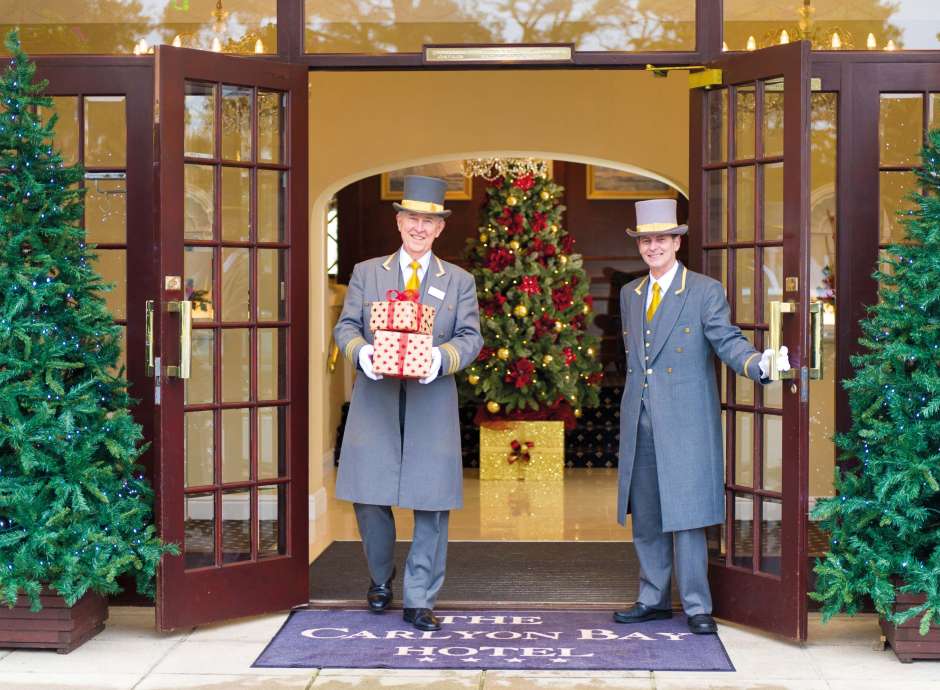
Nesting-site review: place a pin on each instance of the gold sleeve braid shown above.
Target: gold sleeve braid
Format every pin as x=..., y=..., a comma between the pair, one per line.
x=747, y=362
x=453, y=358
x=351, y=347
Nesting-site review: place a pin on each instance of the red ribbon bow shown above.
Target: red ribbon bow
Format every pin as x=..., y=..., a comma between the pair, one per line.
x=520, y=451
x=401, y=296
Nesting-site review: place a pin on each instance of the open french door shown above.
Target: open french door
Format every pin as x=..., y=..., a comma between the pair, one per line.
x=749, y=182
x=230, y=335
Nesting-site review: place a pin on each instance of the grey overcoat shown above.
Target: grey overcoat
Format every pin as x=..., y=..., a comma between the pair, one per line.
x=691, y=325
x=423, y=471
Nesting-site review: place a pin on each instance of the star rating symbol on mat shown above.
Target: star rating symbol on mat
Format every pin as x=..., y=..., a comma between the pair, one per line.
x=469, y=661
x=426, y=658
x=559, y=661
x=513, y=661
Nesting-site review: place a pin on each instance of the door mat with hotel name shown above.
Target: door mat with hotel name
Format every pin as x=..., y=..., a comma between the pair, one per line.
x=537, y=640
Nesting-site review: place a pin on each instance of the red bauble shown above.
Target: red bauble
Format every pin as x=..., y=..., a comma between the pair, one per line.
x=530, y=285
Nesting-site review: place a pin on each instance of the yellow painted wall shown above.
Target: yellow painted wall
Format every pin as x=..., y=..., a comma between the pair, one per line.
x=363, y=123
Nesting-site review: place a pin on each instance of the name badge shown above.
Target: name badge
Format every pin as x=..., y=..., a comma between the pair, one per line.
x=434, y=292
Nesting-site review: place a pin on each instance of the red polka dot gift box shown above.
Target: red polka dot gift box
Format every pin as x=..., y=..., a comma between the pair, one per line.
x=401, y=355
x=401, y=311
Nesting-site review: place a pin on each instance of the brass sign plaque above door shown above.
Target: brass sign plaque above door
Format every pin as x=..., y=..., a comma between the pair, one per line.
x=515, y=54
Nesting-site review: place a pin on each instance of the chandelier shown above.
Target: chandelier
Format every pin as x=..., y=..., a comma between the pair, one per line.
x=806, y=29
x=491, y=168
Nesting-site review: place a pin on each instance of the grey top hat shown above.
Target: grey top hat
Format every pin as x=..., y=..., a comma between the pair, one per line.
x=656, y=217
x=423, y=195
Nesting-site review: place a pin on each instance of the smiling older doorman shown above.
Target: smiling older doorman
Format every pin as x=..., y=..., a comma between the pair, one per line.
x=671, y=466
x=401, y=446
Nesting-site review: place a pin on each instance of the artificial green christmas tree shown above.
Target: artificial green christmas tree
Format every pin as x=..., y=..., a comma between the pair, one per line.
x=538, y=362
x=75, y=509
x=884, y=522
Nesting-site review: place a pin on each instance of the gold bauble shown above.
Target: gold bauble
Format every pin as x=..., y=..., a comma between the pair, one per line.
x=511, y=200
x=562, y=259
x=514, y=245
x=545, y=195
x=590, y=352
x=503, y=353
x=492, y=407
x=554, y=228
x=577, y=412
x=546, y=360
x=586, y=309
x=473, y=379
x=558, y=326
x=484, y=237
x=520, y=310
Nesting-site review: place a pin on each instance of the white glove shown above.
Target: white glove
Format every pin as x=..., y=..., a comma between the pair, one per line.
x=435, y=366
x=365, y=362
x=783, y=361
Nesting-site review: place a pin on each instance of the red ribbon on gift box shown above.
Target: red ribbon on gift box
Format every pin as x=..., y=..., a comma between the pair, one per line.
x=519, y=452
x=402, y=351
x=401, y=296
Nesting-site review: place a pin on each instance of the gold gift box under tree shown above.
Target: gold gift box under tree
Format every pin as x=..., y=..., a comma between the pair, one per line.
x=539, y=454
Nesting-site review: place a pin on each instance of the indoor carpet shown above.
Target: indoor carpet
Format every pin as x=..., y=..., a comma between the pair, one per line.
x=518, y=640
x=602, y=575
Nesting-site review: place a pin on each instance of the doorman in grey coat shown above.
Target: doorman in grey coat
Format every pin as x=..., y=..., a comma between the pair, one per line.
x=671, y=469
x=401, y=446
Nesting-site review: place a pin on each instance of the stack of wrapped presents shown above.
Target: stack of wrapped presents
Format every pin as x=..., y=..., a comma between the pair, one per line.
x=402, y=330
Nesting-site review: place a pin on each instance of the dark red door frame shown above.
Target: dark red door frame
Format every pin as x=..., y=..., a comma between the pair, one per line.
x=775, y=604
x=186, y=598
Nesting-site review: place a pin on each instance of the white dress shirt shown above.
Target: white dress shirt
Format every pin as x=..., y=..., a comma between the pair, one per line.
x=664, y=282
x=404, y=260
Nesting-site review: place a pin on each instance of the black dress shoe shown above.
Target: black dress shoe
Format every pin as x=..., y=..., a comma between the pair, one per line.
x=702, y=624
x=380, y=596
x=641, y=613
x=422, y=619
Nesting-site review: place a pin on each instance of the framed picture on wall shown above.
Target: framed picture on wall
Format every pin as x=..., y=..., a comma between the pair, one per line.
x=459, y=188
x=607, y=183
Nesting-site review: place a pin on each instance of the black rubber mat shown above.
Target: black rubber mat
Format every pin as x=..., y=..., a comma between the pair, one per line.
x=495, y=574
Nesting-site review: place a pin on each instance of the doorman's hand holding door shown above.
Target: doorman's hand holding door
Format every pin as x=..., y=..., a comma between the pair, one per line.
x=783, y=361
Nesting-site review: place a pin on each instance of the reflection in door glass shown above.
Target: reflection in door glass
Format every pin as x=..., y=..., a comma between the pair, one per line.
x=199, y=120
x=272, y=520
x=236, y=526
x=199, y=529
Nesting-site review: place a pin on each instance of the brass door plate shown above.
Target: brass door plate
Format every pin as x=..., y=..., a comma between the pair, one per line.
x=791, y=284
x=173, y=283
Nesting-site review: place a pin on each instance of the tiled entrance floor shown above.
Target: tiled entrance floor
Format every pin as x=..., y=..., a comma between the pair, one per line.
x=129, y=654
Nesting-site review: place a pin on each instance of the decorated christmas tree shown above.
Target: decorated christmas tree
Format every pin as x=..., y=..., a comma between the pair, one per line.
x=885, y=520
x=537, y=362
x=75, y=509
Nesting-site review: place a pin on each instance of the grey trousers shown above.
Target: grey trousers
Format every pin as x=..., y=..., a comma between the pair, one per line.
x=427, y=558
x=654, y=548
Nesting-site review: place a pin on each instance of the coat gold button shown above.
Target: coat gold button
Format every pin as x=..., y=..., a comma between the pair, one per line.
x=686, y=330
x=649, y=332
x=629, y=371
x=450, y=307
x=647, y=358
x=646, y=385
x=649, y=371
x=647, y=344
x=668, y=370
x=678, y=349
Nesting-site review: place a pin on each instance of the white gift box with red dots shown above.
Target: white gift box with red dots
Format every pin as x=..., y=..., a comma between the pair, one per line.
x=401, y=355
x=405, y=316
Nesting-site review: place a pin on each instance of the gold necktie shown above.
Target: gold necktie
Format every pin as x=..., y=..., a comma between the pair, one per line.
x=413, y=282
x=654, y=304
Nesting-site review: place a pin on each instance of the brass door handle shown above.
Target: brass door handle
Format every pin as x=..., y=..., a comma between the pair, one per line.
x=185, y=309
x=148, y=336
x=777, y=310
x=816, y=335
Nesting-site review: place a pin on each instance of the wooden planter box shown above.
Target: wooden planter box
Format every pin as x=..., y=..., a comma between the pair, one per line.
x=908, y=644
x=56, y=626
